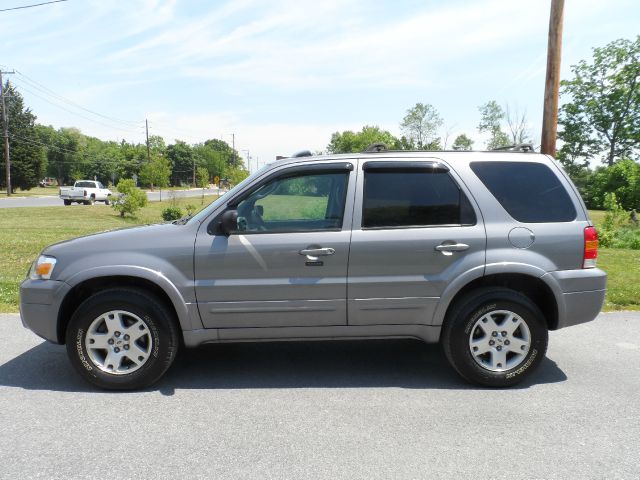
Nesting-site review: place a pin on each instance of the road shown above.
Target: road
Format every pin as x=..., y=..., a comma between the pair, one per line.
x=54, y=201
x=338, y=410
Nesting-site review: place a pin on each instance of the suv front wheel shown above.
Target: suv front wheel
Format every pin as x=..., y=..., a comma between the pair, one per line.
x=495, y=337
x=122, y=339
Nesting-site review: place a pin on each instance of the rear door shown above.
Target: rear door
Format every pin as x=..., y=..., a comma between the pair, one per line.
x=287, y=263
x=415, y=230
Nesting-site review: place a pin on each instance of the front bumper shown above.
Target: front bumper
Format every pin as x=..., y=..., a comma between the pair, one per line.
x=40, y=302
x=580, y=294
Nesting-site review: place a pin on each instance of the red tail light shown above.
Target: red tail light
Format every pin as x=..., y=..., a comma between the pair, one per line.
x=85, y=193
x=590, y=247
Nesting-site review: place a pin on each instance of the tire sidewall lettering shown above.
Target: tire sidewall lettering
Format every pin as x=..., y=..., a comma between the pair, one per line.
x=80, y=349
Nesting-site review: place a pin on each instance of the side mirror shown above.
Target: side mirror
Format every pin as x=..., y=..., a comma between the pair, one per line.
x=259, y=209
x=229, y=222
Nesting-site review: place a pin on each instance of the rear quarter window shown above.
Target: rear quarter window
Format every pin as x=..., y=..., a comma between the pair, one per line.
x=529, y=192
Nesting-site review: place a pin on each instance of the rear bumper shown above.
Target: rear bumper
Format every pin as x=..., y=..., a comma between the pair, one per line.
x=579, y=293
x=39, y=306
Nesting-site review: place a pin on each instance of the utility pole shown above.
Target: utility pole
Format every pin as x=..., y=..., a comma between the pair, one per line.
x=248, y=160
x=552, y=82
x=5, y=131
x=146, y=122
x=194, y=171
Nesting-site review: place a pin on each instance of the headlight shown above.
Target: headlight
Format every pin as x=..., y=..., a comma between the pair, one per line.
x=42, y=268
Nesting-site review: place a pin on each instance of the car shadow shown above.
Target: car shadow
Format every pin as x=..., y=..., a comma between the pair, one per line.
x=321, y=364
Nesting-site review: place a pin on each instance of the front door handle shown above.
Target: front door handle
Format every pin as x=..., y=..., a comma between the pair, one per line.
x=449, y=248
x=317, y=252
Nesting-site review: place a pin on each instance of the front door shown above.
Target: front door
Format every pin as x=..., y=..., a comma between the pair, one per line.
x=286, y=265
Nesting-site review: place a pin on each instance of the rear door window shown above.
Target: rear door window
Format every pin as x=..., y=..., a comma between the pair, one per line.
x=529, y=192
x=400, y=196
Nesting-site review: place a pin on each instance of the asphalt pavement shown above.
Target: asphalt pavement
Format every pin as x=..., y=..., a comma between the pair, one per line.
x=327, y=410
x=55, y=201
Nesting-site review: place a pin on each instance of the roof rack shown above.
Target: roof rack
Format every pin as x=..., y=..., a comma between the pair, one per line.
x=518, y=147
x=376, y=148
x=302, y=153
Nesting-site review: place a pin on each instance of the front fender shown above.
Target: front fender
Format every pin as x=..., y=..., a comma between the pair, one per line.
x=187, y=321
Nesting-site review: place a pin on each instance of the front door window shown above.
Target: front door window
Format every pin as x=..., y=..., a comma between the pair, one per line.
x=301, y=203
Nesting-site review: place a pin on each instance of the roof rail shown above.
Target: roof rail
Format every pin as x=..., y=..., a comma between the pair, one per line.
x=518, y=147
x=302, y=153
x=376, y=148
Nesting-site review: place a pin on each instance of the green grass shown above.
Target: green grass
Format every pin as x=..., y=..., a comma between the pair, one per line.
x=24, y=232
x=623, y=268
x=34, y=192
x=597, y=216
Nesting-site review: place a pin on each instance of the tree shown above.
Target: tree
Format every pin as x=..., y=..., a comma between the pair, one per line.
x=491, y=117
x=156, y=172
x=602, y=115
x=421, y=124
x=131, y=198
x=180, y=155
x=231, y=157
x=213, y=160
x=27, y=155
x=133, y=158
x=236, y=175
x=350, y=142
x=623, y=179
x=202, y=179
x=517, y=123
x=462, y=142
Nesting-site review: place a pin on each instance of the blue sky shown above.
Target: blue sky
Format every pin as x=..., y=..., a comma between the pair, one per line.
x=283, y=75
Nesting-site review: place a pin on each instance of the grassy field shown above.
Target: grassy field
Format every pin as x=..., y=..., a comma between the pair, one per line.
x=34, y=192
x=24, y=232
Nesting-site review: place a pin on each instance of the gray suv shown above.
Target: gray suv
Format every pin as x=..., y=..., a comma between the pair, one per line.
x=484, y=252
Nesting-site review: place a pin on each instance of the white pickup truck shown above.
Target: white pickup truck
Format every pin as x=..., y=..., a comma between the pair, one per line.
x=87, y=192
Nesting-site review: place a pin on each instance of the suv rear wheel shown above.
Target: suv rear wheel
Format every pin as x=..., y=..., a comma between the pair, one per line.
x=122, y=339
x=495, y=337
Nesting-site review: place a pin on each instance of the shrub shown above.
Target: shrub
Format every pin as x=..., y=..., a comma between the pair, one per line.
x=190, y=209
x=617, y=231
x=172, y=213
x=131, y=198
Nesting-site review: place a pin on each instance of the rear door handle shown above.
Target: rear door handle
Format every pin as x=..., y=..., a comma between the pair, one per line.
x=317, y=252
x=449, y=248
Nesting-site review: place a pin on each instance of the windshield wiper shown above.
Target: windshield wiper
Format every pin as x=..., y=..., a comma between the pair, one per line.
x=183, y=220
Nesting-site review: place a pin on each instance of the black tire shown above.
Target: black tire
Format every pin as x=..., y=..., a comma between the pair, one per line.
x=107, y=201
x=90, y=201
x=67, y=202
x=459, y=326
x=162, y=328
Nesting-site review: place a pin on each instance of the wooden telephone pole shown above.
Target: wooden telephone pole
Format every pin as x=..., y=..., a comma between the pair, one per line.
x=552, y=83
x=5, y=132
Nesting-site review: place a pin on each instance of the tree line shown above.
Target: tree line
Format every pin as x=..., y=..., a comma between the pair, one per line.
x=66, y=154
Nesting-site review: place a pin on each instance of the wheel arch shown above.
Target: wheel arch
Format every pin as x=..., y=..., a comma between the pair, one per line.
x=534, y=288
x=84, y=288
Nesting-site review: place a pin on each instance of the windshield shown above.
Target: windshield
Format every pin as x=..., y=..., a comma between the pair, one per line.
x=86, y=184
x=204, y=213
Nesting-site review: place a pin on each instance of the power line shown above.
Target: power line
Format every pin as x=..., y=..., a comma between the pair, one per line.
x=50, y=147
x=31, y=6
x=23, y=87
x=44, y=89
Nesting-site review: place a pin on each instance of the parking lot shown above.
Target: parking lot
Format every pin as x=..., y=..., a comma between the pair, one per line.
x=374, y=409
